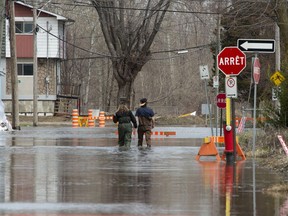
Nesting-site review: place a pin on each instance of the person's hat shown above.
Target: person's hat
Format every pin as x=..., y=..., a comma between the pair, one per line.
x=122, y=100
x=143, y=101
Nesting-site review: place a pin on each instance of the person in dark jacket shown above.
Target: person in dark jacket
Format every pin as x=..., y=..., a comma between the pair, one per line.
x=145, y=121
x=124, y=117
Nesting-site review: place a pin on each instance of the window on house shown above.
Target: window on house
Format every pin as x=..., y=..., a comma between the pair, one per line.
x=24, y=27
x=25, y=69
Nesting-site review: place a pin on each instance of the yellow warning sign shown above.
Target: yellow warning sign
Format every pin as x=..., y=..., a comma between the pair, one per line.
x=83, y=121
x=277, y=78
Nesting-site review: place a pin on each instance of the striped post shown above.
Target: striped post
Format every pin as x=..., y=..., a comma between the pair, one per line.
x=75, y=117
x=91, y=121
x=102, y=119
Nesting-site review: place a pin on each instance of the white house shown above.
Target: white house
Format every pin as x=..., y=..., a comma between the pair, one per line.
x=50, y=54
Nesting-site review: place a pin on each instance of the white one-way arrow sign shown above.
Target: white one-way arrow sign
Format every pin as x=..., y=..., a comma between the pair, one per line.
x=256, y=45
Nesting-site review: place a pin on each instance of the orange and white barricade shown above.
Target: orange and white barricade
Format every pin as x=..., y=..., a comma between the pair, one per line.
x=91, y=121
x=101, y=119
x=75, y=116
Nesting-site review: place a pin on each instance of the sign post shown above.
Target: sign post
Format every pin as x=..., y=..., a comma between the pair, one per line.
x=221, y=103
x=231, y=61
x=256, y=76
x=204, y=74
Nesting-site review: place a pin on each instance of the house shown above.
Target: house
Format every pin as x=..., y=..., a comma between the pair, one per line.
x=51, y=50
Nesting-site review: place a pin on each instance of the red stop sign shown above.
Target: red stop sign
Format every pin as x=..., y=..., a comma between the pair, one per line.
x=231, y=61
x=256, y=70
x=221, y=100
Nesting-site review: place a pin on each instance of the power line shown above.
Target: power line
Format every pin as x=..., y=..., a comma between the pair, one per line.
x=178, y=50
x=101, y=55
x=135, y=9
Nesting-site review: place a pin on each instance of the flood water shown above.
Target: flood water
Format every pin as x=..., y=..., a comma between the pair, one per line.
x=81, y=171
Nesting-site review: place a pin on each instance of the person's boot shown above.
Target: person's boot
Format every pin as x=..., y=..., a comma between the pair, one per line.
x=140, y=146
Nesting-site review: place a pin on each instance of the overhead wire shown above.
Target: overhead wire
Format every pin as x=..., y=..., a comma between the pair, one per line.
x=101, y=55
x=137, y=9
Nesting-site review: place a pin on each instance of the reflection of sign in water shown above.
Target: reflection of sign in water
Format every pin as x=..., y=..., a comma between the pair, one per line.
x=277, y=78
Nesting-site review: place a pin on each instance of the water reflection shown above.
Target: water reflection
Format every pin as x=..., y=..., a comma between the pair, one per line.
x=91, y=175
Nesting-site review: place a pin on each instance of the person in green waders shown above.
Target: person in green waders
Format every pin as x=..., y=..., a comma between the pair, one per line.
x=124, y=117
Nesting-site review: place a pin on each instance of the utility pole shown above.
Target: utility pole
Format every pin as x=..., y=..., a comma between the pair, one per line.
x=2, y=19
x=35, y=71
x=277, y=48
x=218, y=49
x=14, y=73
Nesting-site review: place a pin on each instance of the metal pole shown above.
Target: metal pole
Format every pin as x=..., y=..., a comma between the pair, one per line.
x=254, y=141
x=209, y=111
x=254, y=114
x=234, y=129
x=254, y=187
x=254, y=119
x=221, y=121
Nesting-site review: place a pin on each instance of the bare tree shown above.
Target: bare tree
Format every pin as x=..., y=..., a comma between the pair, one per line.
x=129, y=31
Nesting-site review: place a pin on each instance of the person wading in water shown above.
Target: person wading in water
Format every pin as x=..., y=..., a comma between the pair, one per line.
x=146, y=122
x=124, y=117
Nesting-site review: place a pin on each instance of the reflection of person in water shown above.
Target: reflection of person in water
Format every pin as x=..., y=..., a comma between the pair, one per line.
x=131, y=185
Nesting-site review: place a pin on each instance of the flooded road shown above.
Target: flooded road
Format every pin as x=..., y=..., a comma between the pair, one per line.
x=81, y=171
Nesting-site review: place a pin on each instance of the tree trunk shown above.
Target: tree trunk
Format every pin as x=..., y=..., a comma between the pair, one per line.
x=124, y=89
x=129, y=39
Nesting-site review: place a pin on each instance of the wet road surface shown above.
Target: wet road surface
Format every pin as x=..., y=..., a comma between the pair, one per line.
x=57, y=171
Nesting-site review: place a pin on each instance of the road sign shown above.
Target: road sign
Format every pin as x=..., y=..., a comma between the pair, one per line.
x=215, y=81
x=231, y=87
x=204, y=72
x=277, y=78
x=275, y=93
x=256, y=70
x=231, y=61
x=256, y=45
x=221, y=100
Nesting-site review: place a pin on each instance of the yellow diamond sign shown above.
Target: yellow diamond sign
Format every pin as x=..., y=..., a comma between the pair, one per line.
x=277, y=78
